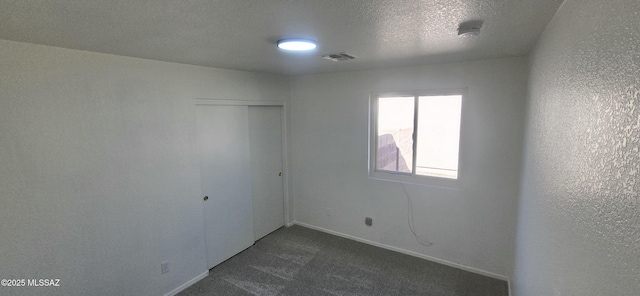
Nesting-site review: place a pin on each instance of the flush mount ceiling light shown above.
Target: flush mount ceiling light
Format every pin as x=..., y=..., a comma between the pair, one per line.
x=296, y=44
x=468, y=32
x=469, y=29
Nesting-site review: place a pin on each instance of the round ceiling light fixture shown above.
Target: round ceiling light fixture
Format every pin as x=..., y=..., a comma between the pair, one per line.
x=296, y=44
x=469, y=29
x=468, y=32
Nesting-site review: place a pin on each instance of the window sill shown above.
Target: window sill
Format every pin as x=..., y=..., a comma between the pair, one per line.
x=451, y=184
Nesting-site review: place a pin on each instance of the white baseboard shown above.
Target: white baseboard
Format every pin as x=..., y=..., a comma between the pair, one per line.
x=411, y=253
x=187, y=284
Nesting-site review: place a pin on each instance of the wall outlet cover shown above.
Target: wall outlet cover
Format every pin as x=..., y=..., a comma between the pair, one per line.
x=164, y=266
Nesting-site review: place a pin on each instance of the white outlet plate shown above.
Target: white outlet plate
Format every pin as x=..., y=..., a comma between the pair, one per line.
x=164, y=266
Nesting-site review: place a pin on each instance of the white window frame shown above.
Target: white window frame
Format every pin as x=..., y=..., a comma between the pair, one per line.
x=412, y=178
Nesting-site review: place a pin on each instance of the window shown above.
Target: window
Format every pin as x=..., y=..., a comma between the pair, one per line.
x=416, y=137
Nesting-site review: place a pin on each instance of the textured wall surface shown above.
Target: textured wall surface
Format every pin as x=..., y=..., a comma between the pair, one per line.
x=579, y=216
x=99, y=171
x=474, y=226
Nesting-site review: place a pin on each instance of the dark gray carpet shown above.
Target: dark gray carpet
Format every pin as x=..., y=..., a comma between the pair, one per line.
x=301, y=261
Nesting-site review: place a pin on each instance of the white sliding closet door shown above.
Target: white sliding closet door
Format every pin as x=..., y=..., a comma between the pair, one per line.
x=225, y=170
x=265, y=138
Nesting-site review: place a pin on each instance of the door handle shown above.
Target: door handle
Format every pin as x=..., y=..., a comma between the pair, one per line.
x=205, y=198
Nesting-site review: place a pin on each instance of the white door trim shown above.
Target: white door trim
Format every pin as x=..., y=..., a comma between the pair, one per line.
x=204, y=101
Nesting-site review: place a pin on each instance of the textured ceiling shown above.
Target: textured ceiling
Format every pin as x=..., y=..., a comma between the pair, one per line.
x=241, y=34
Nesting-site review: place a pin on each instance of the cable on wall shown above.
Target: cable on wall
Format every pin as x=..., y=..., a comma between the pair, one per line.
x=421, y=240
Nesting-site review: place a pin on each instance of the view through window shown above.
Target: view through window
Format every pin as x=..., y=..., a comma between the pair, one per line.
x=418, y=135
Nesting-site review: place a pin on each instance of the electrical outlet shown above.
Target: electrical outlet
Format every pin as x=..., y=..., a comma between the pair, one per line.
x=164, y=266
x=368, y=221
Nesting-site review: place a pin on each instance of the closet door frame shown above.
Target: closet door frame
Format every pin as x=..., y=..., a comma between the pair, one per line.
x=288, y=218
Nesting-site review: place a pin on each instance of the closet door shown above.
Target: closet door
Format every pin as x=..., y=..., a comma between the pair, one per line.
x=225, y=171
x=265, y=138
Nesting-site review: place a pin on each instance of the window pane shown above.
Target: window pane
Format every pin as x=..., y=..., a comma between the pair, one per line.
x=395, y=134
x=438, y=136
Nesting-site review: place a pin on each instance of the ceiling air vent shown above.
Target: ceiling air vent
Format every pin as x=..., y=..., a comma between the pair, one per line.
x=338, y=57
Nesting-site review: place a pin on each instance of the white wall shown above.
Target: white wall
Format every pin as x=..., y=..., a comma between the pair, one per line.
x=579, y=216
x=474, y=227
x=99, y=172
